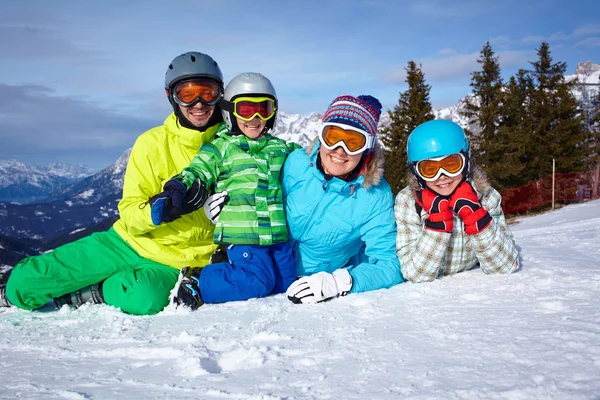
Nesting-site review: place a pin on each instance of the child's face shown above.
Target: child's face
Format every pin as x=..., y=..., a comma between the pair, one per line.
x=252, y=128
x=445, y=185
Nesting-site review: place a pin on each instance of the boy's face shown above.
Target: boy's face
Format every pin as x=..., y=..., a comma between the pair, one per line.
x=252, y=128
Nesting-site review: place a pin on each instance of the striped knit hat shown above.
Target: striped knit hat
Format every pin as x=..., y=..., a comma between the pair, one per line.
x=360, y=112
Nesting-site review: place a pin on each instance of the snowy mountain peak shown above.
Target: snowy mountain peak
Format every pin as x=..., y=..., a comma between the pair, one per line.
x=121, y=163
x=69, y=170
x=587, y=68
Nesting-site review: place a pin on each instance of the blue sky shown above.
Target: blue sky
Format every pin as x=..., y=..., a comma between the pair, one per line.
x=81, y=79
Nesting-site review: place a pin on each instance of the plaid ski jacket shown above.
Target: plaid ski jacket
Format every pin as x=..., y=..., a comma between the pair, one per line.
x=424, y=254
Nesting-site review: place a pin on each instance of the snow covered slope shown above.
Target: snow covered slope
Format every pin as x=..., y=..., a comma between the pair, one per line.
x=531, y=335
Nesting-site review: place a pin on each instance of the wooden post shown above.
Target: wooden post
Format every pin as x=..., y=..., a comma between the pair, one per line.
x=553, y=180
x=595, y=181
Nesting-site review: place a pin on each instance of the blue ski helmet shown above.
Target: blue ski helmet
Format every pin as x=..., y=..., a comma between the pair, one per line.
x=436, y=138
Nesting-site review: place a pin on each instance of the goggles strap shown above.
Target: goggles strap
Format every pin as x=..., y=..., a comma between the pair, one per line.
x=226, y=105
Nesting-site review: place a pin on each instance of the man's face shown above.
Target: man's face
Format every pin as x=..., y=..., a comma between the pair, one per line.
x=198, y=114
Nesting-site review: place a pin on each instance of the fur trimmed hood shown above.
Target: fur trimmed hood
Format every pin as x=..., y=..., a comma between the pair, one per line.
x=478, y=179
x=374, y=171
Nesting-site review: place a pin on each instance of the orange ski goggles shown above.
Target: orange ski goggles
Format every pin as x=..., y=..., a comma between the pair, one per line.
x=205, y=91
x=432, y=168
x=352, y=140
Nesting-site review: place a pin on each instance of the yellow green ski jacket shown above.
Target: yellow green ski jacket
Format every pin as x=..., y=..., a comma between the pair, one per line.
x=157, y=156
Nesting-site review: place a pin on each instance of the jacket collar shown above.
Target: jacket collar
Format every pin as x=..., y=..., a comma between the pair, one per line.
x=189, y=137
x=251, y=146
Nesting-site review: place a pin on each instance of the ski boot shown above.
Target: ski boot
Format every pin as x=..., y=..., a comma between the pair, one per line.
x=3, y=299
x=90, y=294
x=187, y=289
x=219, y=255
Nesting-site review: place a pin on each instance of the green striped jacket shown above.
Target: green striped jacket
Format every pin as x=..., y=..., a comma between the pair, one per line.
x=249, y=170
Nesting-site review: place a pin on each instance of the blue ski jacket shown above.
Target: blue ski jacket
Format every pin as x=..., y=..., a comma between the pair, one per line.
x=337, y=224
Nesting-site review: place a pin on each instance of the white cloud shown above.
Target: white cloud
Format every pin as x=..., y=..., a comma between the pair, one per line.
x=564, y=38
x=587, y=30
x=589, y=42
x=447, y=52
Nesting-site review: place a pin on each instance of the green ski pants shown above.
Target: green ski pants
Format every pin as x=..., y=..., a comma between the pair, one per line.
x=132, y=283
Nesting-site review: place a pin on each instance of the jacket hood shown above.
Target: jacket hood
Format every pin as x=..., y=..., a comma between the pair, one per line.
x=478, y=179
x=374, y=169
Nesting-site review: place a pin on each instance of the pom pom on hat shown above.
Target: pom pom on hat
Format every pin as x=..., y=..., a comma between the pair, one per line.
x=360, y=112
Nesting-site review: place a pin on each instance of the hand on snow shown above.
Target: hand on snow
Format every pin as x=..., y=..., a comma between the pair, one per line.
x=320, y=287
x=214, y=205
x=176, y=201
x=438, y=208
x=465, y=203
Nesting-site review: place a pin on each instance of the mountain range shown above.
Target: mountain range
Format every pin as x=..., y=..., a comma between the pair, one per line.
x=20, y=182
x=43, y=207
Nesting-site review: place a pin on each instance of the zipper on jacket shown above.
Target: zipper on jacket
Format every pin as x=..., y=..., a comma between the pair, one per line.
x=313, y=211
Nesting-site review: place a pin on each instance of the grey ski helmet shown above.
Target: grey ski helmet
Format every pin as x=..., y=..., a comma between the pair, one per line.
x=251, y=84
x=191, y=65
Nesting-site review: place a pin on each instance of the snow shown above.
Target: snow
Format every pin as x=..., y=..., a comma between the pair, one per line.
x=86, y=194
x=534, y=334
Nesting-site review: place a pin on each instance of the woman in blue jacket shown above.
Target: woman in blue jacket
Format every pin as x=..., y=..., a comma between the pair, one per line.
x=339, y=208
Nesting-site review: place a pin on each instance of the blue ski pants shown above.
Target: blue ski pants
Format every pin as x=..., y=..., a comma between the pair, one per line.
x=252, y=271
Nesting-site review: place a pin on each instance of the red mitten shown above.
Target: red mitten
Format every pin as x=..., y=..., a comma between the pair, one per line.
x=465, y=203
x=438, y=208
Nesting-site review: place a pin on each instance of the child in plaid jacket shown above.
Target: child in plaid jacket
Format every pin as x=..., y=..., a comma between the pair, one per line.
x=449, y=219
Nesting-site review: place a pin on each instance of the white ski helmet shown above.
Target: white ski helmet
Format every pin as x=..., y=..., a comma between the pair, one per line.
x=247, y=84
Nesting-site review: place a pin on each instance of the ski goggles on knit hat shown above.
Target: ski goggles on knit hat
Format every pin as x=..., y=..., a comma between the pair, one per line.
x=432, y=168
x=246, y=108
x=190, y=92
x=352, y=140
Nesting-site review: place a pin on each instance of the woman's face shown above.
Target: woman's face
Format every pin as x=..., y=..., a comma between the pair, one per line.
x=444, y=185
x=337, y=162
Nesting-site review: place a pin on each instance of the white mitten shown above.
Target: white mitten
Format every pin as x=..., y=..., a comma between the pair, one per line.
x=320, y=287
x=214, y=205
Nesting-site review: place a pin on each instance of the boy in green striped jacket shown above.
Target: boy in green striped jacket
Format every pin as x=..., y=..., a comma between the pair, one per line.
x=242, y=164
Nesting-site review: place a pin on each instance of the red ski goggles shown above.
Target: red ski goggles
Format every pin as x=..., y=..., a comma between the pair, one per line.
x=246, y=108
x=432, y=168
x=205, y=91
x=353, y=141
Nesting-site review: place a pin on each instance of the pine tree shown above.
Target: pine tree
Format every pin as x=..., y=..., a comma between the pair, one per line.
x=413, y=109
x=513, y=136
x=595, y=143
x=557, y=129
x=485, y=113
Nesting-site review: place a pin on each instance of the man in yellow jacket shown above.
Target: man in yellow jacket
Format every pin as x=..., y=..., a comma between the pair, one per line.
x=135, y=264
